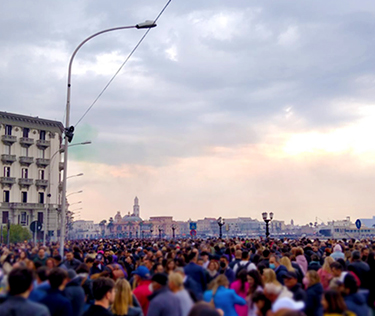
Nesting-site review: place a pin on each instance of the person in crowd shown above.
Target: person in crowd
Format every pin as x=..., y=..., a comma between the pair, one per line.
x=355, y=302
x=41, y=258
x=237, y=258
x=142, y=290
x=190, y=285
x=314, y=292
x=75, y=293
x=204, y=309
x=71, y=262
x=8, y=263
x=123, y=301
x=224, y=269
x=50, y=263
x=255, y=285
x=337, y=252
x=314, y=264
x=20, y=282
x=222, y=297
x=41, y=285
x=241, y=287
x=245, y=264
x=360, y=268
x=162, y=301
x=287, y=305
x=206, y=259
x=334, y=304
x=212, y=270
x=269, y=277
x=292, y=267
x=55, y=300
x=291, y=282
x=196, y=272
x=176, y=285
x=59, y=263
x=262, y=304
x=280, y=270
x=170, y=266
x=325, y=272
x=104, y=295
x=300, y=259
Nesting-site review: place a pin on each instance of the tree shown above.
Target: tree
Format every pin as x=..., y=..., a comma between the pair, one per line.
x=18, y=233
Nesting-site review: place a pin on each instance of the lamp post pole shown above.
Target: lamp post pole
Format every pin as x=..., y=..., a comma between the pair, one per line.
x=69, y=130
x=221, y=223
x=267, y=221
x=173, y=229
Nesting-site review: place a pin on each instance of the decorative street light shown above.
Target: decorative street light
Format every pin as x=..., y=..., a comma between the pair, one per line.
x=267, y=221
x=76, y=175
x=221, y=223
x=173, y=229
x=160, y=230
x=80, y=191
x=151, y=230
x=69, y=130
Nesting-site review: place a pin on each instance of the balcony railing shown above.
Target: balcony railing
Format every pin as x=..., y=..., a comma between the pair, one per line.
x=27, y=206
x=7, y=180
x=25, y=182
x=26, y=160
x=8, y=139
x=26, y=142
x=42, y=162
x=41, y=183
x=8, y=158
x=41, y=143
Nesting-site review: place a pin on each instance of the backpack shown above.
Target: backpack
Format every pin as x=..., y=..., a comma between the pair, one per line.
x=242, y=267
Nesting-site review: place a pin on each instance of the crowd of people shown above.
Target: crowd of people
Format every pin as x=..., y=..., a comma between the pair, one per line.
x=189, y=277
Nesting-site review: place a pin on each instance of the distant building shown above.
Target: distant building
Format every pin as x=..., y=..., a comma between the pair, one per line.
x=84, y=230
x=368, y=222
x=30, y=160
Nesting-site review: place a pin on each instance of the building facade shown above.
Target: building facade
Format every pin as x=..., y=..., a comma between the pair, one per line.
x=30, y=160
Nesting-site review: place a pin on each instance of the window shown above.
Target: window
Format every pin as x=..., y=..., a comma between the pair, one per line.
x=7, y=149
x=23, y=218
x=6, y=196
x=24, y=197
x=24, y=173
x=41, y=174
x=26, y=132
x=5, y=217
x=8, y=129
x=41, y=153
x=42, y=135
x=25, y=151
x=41, y=197
x=7, y=171
x=40, y=217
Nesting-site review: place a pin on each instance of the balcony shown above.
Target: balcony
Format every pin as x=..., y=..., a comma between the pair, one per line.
x=8, y=139
x=27, y=206
x=60, y=186
x=42, y=144
x=26, y=161
x=8, y=158
x=61, y=166
x=42, y=162
x=7, y=180
x=25, y=182
x=26, y=142
x=41, y=183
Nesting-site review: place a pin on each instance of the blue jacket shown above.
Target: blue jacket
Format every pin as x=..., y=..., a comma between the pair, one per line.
x=15, y=305
x=57, y=303
x=356, y=303
x=75, y=293
x=198, y=274
x=225, y=299
x=314, y=296
x=281, y=271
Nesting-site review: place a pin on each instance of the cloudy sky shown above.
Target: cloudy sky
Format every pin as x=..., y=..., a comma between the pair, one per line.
x=228, y=108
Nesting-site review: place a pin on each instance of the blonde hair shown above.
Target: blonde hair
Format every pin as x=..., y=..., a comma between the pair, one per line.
x=176, y=279
x=285, y=261
x=220, y=280
x=123, y=297
x=313, y=277
x=269, y=276
x=327, y=264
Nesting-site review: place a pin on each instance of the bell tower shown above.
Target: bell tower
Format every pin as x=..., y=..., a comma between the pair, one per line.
x=136, y=207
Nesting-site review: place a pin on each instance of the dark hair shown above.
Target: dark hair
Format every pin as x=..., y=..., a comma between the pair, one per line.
x=89, y=260
x=350, y=283
x=245, y=255
x=336, y=265
x=42, y=273
x=259, y=296
x=83, y=268
x=266, y=253
x=191, y=256
x=257, y=280
x=314, y=257
x=19, y=280
x=56, y=277
x=57, y=258
x=203, y=309
x=336, y=303
x=101, y=286
x=342, y=262
x=242, y=276
x=356, y=255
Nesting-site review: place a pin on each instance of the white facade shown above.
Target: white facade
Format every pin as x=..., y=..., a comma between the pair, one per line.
x=84, y=230
x=30, y=175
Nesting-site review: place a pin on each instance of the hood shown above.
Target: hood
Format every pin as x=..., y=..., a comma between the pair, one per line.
x=316, y=289
x=337, y=248
x=75, y=282
x=356, y=298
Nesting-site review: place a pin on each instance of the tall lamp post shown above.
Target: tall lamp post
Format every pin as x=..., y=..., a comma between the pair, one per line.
x=160, y=230
x=173, y=229
x=69, y=130
x=267, y=221
x=221, y=223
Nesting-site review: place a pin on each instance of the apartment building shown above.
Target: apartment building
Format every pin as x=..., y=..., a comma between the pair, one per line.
x=30, y=160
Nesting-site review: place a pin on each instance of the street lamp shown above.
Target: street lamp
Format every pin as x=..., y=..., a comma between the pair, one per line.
x=173, y=229
x=76, y=175
x=75, y=203
x=69, y=130
x=160, y=230
x=74, y=193
x=267, y=221
x=221, y=223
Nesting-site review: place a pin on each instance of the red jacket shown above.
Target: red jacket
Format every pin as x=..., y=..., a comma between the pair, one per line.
x=141, y=292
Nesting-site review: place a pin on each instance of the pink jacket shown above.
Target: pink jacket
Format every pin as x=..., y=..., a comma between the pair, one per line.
x=236, y=286
x=301, y=260
x=325, y=278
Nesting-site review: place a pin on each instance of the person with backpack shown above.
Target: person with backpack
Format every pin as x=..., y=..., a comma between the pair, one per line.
x=244, y=264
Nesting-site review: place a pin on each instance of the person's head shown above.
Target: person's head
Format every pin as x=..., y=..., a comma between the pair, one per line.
x=103, y=290
x=175, y=282
x=57, y=259
x=274, y=262
x=356, y=255
x=213, y=266
x=159, y=268
x=223, y=262
x=311, y=278
x=203, y=309
x=333, y=302
x=285, y=261
x=220, y=280
x=50, y=263
x=327, y=264
x=123, y=297
x=315, y=258
x=337, y=248
x=261, y=301
x=336, y=269
x=41, y=253
x=238, y=254
x=255, y=280
x=171, y=265
x=90, y=262
x=69, y=255
x=365, y=253
x=192, y=257
x=20, y=282
x=158, y=281
x=290, y=279
x=269, y=276
x=205, y=256
x=350, y=284
x=141, y=273
x=57, y=278
x=272, y=291
x=41, y=274
x=266, y=253
x=245, y=256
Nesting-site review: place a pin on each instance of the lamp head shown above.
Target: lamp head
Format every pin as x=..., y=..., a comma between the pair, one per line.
x=146, y=25
x=271, y=215
x=264, y=215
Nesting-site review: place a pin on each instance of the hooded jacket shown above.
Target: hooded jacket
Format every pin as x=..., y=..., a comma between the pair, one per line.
x=314, y=305
x=356, y=303
x=75, y=293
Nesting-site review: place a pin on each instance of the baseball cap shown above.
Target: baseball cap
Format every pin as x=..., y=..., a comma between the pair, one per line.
x=287, y=303
x=143, y=272
x=290, y=275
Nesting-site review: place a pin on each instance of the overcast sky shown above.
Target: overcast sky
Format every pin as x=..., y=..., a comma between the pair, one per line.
x=228, y=108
